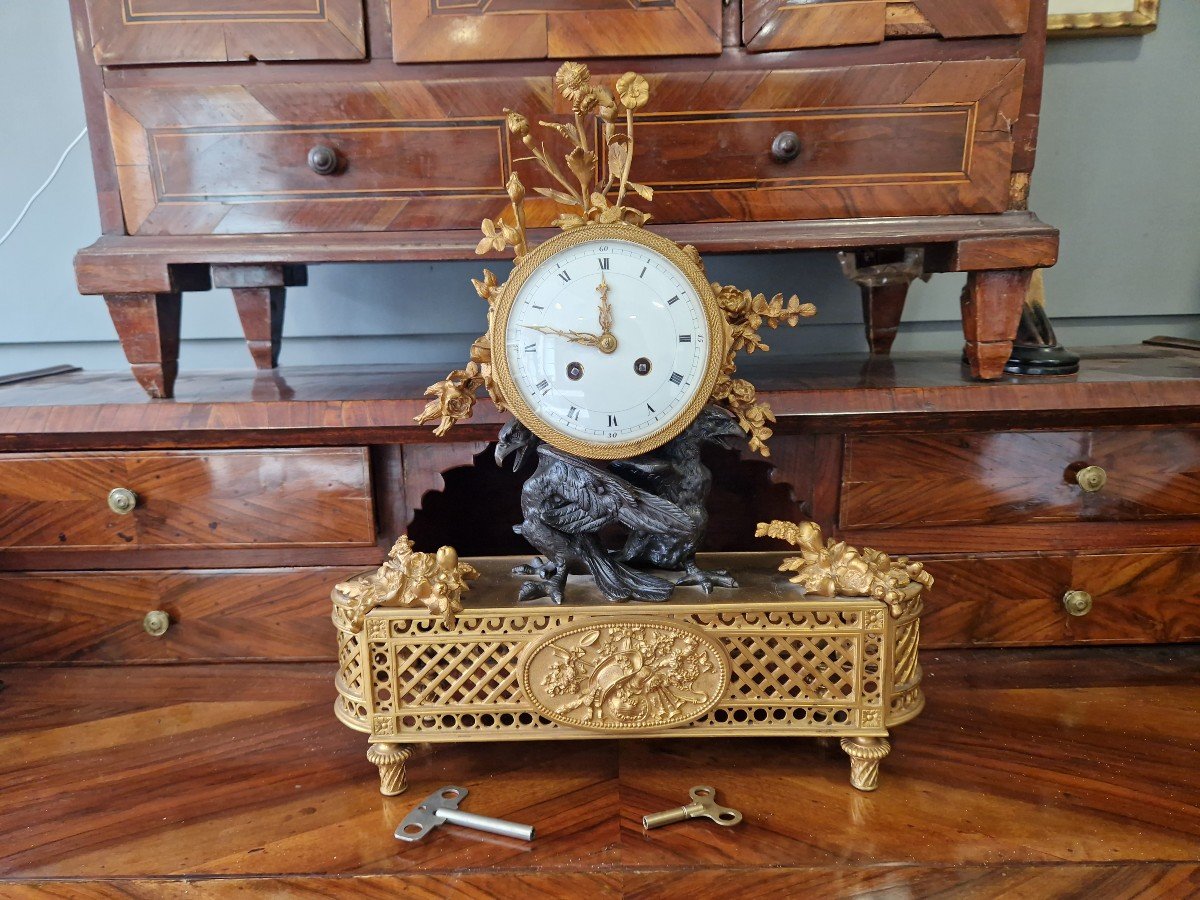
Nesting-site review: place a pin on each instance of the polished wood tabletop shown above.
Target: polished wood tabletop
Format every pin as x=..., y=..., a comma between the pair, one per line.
x=311, y=405
x=1030, y=773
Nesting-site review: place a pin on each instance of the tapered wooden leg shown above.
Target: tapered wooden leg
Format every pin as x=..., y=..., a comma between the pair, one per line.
x=148, y=326
x=991, y=311
x=865, y=755
x=390, y=758
x=261, y=312
x=260, y=292
x=883, y=277
x=883, y=305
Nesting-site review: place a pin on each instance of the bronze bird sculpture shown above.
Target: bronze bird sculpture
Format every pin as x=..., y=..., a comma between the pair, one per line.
x=566, y=503
x=675, y=473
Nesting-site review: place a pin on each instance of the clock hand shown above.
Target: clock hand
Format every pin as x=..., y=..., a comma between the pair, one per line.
x=575, y=337
x=606, y=319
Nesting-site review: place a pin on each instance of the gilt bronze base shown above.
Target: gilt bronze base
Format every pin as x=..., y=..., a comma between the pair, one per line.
x=765, y=659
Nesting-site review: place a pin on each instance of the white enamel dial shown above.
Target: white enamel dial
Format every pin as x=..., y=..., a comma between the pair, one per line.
x=608, y=342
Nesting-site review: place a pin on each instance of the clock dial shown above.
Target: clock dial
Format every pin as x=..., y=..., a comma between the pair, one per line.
x=608, y=342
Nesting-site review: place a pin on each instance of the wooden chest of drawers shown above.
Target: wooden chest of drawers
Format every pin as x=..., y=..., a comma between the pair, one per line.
x=910, y=131
x=276, y=500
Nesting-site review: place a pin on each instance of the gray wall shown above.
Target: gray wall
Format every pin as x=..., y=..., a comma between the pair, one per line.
x=1117, y=172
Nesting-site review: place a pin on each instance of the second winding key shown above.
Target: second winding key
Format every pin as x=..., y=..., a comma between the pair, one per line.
x=704, y=805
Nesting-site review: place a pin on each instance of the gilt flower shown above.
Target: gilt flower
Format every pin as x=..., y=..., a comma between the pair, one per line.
x=733, y=301
x=493, y=237
x=516, y=190
x=585, y=102
x=741, y=391
x=457, y=406
x=572, y=80
x=633, y=90
x=606, y=106
x=486, y=289
x=517, y=123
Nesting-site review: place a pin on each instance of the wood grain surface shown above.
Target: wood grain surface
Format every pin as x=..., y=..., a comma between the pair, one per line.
x=921, y=138
x=216, y=615
x=1019, y=476
x=1029, y=772
x=156, y=263
x=1017, y=599
x=293, y=406
x=779, y=25
x=213, y=499
x=128, y=32
x=424, y=31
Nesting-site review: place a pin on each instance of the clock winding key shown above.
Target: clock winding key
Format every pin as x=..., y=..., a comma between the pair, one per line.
x=703, y=805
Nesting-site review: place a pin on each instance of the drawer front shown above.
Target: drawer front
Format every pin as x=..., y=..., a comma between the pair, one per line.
x=1018, y=600
x=905, y=139
x=438, y=31
x=787, y=25
x=1019, y=477
x=211, y=499
x=275, y=614
x=129, y=32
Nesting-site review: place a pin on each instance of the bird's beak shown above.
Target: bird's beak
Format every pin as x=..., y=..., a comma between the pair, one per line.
x=506, y=448
x=730, y=436
x=520, y=457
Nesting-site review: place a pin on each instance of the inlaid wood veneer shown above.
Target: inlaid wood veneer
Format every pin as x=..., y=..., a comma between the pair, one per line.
x=187, y=499
x=877, y=140
x=783, y=25
x=126, y=32
x=477, y=30
x=233, y=781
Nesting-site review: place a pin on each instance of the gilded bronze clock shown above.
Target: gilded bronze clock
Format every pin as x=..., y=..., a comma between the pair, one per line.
x=616, y=357
x=607, y=341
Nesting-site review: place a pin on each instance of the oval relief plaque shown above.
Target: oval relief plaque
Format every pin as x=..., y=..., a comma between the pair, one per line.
x=625, y=675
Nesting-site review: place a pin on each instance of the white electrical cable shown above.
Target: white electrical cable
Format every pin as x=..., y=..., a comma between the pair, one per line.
x=62, y=159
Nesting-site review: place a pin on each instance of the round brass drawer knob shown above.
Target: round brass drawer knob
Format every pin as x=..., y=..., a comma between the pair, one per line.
x=786, y=146
x=156, y=622
x=1091, y=478
x=122, y=501
x=1077, y=603
x=323, y=160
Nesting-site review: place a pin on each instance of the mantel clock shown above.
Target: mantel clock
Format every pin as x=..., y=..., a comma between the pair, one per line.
x=608, y=343
x=617, y=359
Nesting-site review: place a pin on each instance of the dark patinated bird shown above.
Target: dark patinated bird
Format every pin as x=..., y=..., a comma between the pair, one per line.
x=675, y=473
x=566, y=503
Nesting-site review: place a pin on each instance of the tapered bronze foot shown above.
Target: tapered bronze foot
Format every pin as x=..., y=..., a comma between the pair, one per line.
x=390, y=758
x=865, y=755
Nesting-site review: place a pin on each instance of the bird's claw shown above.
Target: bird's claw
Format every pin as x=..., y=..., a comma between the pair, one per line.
x=538, y=566
x=707, y=580
x=535, y=590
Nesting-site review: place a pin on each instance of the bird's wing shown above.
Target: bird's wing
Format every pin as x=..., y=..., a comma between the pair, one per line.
x=592, y=497
x=654, y=514
x=582, y=500
x=646, y=472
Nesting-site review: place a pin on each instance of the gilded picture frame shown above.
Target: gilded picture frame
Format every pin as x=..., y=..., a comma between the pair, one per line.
x=1098, y=18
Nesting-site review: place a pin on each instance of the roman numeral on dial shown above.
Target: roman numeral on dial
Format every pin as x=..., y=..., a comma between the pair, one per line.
x=612, y=421
x=685, y=339
x=565, y=276
x=676, y=378
x=604, y=262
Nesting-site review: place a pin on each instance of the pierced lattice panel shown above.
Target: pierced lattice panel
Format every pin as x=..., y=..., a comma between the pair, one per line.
x=808, y=668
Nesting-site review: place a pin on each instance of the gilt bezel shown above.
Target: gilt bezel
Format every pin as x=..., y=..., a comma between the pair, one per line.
x=517, y=405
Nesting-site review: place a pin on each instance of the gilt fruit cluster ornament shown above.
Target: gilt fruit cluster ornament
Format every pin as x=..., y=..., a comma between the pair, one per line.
x=606, y=340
